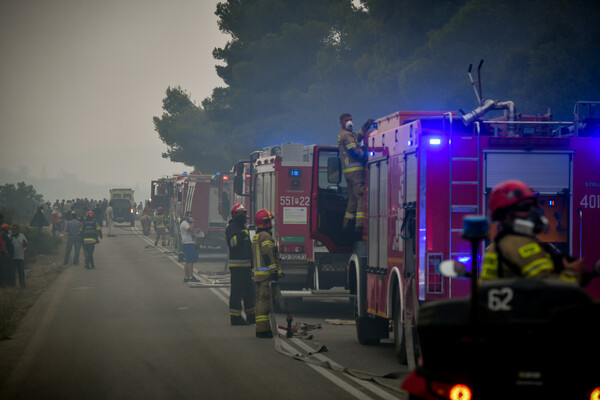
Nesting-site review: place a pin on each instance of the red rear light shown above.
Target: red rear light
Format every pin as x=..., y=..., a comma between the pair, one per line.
x=450, y=391
x=460, y=392
x=595, y=395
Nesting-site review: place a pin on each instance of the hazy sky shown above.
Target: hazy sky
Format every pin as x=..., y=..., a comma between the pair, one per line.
x=81, y=80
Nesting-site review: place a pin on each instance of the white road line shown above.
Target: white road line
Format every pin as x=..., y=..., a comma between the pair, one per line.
x=324, y=372
x=366, y=384
x=333, y=378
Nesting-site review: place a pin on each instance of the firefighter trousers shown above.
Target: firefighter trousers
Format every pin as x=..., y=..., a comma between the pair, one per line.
x=263, y=306
x=356, y=199
x=242, y=290
x=88, y=251
x=161, y=232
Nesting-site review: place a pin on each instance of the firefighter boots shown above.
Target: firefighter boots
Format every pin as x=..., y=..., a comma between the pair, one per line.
x=238, y=320
x=264, y=335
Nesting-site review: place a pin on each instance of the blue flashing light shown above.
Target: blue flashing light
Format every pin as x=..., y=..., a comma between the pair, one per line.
x=464, y=259
x=551, y=203
x=410, y=142
x=435, y=141
x=218, y=173
x=185, y=173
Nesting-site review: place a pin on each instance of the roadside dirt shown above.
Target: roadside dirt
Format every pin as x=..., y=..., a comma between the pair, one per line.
x=15, y=302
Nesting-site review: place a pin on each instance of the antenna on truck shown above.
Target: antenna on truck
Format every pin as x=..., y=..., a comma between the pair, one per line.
x=478, y=94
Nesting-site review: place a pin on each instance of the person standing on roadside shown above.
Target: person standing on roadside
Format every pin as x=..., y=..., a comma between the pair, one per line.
x=160, y=226
x=6, y=254
x=19, y=243
x=188, y=244
x=99, y=213
x=267, y=264
x=73, y=230
x=91, y=234
x=240, y=266
x=109, y=219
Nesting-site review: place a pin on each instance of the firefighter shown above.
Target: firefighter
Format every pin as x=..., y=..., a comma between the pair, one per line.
x=240, y=267
x=353, y=165
x=267, y=268
x=91, y=233
x=146, y=219
x=160, y=226
x=516, y=248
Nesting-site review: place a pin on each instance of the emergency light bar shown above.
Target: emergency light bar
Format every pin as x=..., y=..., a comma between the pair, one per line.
x=435, y=141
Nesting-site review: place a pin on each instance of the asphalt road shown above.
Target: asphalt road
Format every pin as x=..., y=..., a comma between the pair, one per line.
x=132, y=329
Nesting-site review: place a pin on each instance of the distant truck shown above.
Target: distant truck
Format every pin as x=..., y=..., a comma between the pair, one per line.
x=123, y=204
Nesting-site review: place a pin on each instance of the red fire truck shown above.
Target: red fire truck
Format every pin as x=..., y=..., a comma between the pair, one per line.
x=202, y=195
x=278, y=178
x=425, y=173
x=161, y=194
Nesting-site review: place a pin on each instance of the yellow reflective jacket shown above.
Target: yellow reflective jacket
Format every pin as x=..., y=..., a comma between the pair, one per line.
x=160, y=221
x=346, y=141
x=524, y=256
x=266, y=256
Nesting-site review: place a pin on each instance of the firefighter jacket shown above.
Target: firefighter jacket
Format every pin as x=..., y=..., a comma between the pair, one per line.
x=240, y=246
x=160, y=221
x=347, y=141
x=90, y=232
x=266, y=257
x=522, y=256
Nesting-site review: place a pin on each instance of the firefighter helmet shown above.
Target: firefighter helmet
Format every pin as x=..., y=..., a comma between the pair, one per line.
x=263, y=218
x=159, y=210
x=89, y=215
x=237, y=207
x=507, y=194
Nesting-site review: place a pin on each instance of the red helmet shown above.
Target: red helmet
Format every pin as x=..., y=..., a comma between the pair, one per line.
x=90, y=214
x=159, y=210
x=237, y=207
x=263, y=218
x=508, y=193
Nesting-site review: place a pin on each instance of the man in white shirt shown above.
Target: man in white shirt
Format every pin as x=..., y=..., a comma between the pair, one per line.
x=19, y=243
x=188, y=245
x=109, y=219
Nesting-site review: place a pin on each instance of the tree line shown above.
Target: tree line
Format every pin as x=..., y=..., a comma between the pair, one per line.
x=292, y=67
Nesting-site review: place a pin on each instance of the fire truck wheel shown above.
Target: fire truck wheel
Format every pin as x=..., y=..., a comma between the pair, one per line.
x=365, y=331
x=400, y=339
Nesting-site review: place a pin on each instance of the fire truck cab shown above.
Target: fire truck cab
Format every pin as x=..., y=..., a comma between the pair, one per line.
x=280, y=179
x=425, y=173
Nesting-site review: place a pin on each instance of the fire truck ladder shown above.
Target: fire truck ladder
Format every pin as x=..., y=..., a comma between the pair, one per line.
x=465, y=186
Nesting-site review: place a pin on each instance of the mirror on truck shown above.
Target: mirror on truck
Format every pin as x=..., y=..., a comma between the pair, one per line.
x=238, y=178
x=334, y=170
